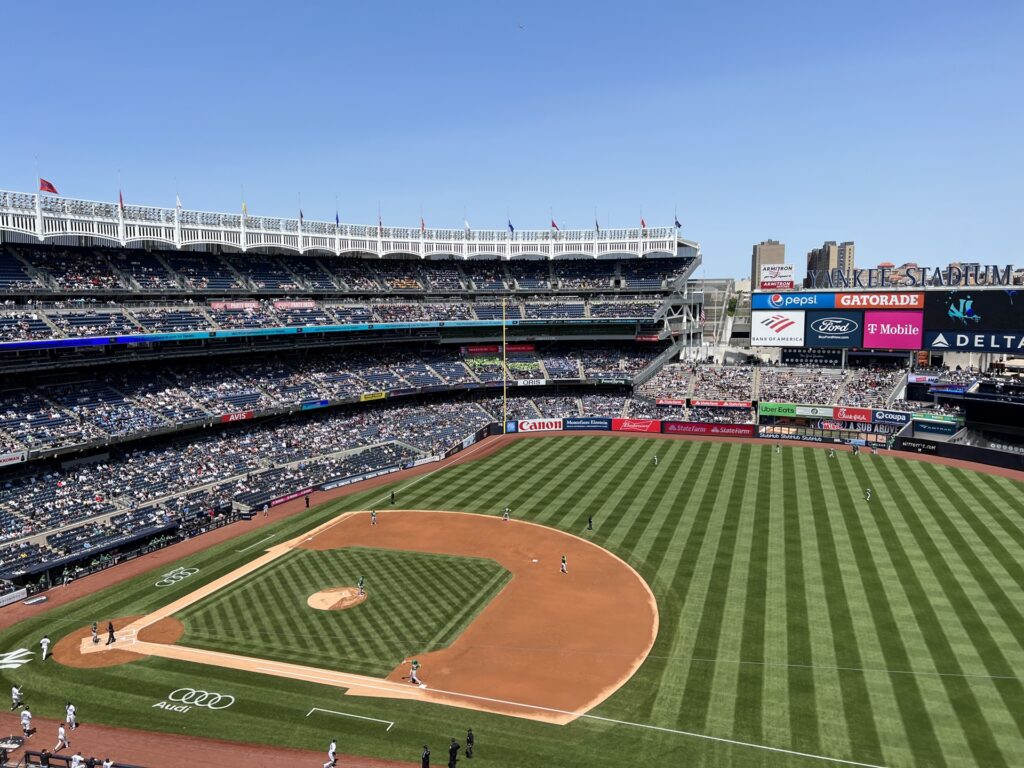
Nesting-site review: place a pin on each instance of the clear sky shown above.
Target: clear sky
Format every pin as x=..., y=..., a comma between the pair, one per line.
x=899, y=125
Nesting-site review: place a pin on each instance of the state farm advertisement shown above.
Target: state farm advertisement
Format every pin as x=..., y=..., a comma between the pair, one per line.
x=862, y=415
x=893, y=330
x=670, y=401
x=636, y=425
x=776, y=277
x=721, y=404
x=701, y=428
x=540, y=425
x=880, y=300
x=240, y=416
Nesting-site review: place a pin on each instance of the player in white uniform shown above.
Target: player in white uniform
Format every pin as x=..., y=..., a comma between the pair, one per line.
x=108, y=763
x=565, y=565
x=332, y=750
x=506, y=514
x=45, y=645
x=413, y=676
x=70, y=711
x=77, y=761
x=361, y=586
x=62, y=739
x=867, y=494
x=26, y=721
x=655, y=459
x=15, y=697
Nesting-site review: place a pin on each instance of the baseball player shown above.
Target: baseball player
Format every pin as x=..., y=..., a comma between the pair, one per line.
x=413, y=676
x=110, y=633
x=392, y=498
x=655, y=459
x=373, y=517
x=62, y=739
x=778, y=447
x=361, y=584
x=470, y=741
x=332, y=753
x=831, y=453
x=874, y=450
x=95, y=633
x=16, y=697
x=70, y=711
x=266, y=510
x=45, y=645
x=565, y=565
x=867, y=494
x=505, y=513
x=108, y=763
x=77, y=761
x=425, y=757
x=590, y=522
x=26, y=721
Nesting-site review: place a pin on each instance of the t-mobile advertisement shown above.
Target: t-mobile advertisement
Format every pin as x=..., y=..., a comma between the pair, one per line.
x=893, y=330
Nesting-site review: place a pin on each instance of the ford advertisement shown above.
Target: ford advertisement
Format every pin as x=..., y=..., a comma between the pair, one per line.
x=834, y=329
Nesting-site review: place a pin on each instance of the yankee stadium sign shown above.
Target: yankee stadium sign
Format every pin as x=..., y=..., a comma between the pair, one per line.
x=914, y=277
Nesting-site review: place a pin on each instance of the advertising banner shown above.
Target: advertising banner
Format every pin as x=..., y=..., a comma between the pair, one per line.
x=834, y=329
x=240, y=416
x=922, y=378
x=519, y=347
x=897, y=418
x=530, y=382
x=816, y=411
x=776, y=409
x=893, y=330
x=311, y=404
x=648, y=337
x=1003, y=341
x=636, y=425
x=670, y=401
x=511, y=426
x=294, y=305
x=921, y=446
x=793, y=301
x=540, y=425
x=702, y=428
x=936, y=416
x=367, y=396
x=862, y=415
x=234, y=305
x=721, y=404
x=812, y=357
x=977, y=310
x=586, y=422
x=291, y=496
x=13, y=457
x=768, y=433
x=13, y=597
x=777, y=329
x=935, y=428
x=480, y=349
x=776, y=277
x=890, y=300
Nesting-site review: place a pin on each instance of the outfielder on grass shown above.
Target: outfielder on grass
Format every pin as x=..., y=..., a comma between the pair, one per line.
x=360, y=585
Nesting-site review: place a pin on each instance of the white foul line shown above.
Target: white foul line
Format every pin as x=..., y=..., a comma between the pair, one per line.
x=347, y=714
x=257, y=543
x=664, y=730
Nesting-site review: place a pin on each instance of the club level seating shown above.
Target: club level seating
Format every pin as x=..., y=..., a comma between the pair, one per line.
x=205, y=271
x=494, y=311
x=21, y=326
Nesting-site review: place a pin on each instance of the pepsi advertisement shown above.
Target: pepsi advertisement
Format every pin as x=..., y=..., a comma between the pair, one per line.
x=836, y=329
x=793, y=300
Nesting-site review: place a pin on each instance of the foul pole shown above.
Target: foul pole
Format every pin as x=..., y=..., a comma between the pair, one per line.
x=504, y=372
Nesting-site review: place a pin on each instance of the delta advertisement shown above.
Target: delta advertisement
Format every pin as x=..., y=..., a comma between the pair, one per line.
x=834, y=329
x=893, y=330
x=975, y=342
x=701, y=428
x=777, y=329
x=636, y=425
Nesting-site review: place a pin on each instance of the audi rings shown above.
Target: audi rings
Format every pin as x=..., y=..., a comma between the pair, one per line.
x=173, y=577
x=198, y=698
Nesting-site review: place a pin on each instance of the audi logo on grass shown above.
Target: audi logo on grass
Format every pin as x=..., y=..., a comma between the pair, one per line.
x=184, y=699
x=171, y=578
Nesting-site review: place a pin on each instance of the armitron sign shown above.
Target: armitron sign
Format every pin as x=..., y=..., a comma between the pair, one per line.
x=775, y=277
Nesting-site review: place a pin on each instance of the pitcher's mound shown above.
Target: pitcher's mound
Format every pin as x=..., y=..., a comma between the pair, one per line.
x=335, y=599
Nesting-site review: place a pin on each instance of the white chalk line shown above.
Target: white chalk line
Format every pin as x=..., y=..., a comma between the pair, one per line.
x=265, y=538
x=390, y=723
x=340, y=682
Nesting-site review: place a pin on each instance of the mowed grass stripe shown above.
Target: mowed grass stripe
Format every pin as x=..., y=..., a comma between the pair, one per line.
x=564, y=502
x=649, y=491
x=976, y=730
x=484, y=593
x=998, y=505
x=858, y=711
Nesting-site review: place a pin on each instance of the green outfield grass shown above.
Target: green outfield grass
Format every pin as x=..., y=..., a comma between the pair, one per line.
x=794, y=614
x=395, y=620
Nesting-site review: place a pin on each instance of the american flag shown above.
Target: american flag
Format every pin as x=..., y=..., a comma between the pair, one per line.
x=703, y=317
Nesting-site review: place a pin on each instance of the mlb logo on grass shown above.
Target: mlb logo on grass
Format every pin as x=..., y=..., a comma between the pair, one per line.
x=777, y=329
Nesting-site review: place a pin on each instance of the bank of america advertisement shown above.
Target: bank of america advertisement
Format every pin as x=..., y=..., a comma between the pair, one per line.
x=777, y=329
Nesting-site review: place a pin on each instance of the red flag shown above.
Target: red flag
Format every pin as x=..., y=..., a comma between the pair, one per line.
x=46, y=186
x=120, y=200
x=423, y=225
x=554, y=225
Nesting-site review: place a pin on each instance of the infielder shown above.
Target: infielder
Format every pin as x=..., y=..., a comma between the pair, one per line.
x=110, y=633
x=95, y=633
x=16, y=697
x=26, y=721
x=505, y=513
x=45, y=645
x=62, y=739
x=565, y=565
x=332, y=750
x=70, y=711
x=108, y=763
x=360, y=585
x=373, y=517
x=413, y=677
x=77, y=761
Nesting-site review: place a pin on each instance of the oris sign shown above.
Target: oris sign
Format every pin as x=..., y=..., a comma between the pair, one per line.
x=540, y=425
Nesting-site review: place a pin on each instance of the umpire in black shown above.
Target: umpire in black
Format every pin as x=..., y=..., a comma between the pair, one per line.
x=425, y=757
x=469, y=743
x=453, y=753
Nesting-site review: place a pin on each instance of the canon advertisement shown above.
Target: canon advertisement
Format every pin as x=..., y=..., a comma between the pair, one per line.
x=893, y=330
x=540, y=425
x=777, y=329
x=834, y=329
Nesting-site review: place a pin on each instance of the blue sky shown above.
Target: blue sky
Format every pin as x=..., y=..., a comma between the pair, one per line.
x=897, y=125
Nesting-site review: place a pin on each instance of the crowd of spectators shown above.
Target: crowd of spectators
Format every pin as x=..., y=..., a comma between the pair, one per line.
x=818, y=386
x=870, y=387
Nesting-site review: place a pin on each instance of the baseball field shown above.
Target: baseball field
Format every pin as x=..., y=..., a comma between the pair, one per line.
x=733, y=605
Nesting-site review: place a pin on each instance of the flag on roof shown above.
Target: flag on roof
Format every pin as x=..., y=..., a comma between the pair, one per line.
x=643, y=224
x=678, y=225
x=245, y=210
x=423, y=226
x=120, y=200
x=177, y=202
x=554, y=225
x=337, y=219
x=466, y=223
x=301, y=217
x=380, y=225
x=703, y=316
x=47, y=186
x=510, y=227
x=597, y=227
